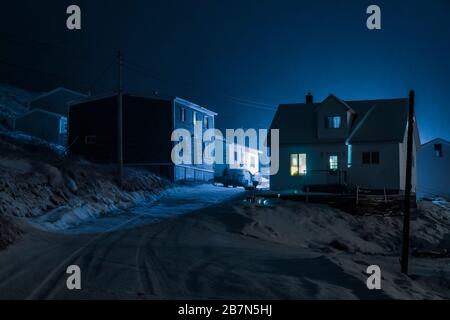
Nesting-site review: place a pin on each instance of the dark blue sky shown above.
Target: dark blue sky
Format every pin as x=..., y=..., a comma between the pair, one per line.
x=220, y=53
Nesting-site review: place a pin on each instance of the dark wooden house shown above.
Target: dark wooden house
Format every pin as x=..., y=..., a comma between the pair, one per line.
x=148, y=123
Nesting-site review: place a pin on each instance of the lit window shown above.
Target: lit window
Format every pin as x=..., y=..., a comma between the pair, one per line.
x=333, y=122
x=333, y=162
x=298, y=164
x=438, y=150
x=183, y=114
x=63, y=125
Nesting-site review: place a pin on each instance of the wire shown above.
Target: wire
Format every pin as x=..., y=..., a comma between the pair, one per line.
x=159, y=76
x=97, y=80
x=41, y=45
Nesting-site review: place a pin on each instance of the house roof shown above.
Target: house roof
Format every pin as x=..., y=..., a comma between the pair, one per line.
x=156, y=97
x=374, y=120
x=26, y=114
x=59, y=90
x=440, y=140
x=55, y=101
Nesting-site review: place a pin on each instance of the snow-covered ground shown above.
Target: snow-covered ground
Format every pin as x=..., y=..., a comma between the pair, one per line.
x=173, y=202
x=352, y=242
x=13, y=103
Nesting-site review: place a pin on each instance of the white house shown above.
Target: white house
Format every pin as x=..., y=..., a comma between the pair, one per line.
x=236, y=156
x=433, y=178
x=343, y=143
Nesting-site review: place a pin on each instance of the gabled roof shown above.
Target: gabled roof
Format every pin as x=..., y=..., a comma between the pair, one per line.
x=373, y=120
x=56, y=91
x=342, y=102
x=156, y=97
x=26, y=114
x=436, y=140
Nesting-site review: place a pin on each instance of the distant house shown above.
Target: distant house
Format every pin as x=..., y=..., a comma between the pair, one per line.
x=148, y=123
x=338, y=143
x=434, y=169
x=48, y=126
x=47, y=115
x=236, y=156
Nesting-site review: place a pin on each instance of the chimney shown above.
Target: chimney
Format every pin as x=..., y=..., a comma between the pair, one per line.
x=309, y=98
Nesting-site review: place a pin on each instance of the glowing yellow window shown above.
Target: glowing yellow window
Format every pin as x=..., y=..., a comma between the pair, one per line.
x=298, y=164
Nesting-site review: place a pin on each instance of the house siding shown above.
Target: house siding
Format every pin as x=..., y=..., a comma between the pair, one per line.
x=433, y=173
x=147, y=128
x=192, y=172
x=317, y=163
x=41, y=125
x=385, y=174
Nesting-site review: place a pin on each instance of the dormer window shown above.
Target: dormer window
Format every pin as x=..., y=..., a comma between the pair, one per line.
x=438, y=150
x=333, y=122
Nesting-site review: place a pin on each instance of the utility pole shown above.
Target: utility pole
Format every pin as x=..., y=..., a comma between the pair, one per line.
x=120, y=119
x=407, y=213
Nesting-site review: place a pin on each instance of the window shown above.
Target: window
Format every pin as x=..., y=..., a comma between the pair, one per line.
x=371, y=157
x=438, y=150
x=252, y=162
x=63, y=125
x=90, y=139
x=333, y=122
x=183, y=114
x=298, y=164
x=194, y=117
x=375, y=157
x=366, y=157
x=333, y=162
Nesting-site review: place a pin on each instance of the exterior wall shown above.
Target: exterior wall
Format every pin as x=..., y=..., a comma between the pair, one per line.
x=41, y=125
x=385, y=174
x=56, y=102
x=317, y=163
x=96, y=119
x=192, y=172
x=248, y=159
x=328, y=109
x=433, y=173
x=147, y=128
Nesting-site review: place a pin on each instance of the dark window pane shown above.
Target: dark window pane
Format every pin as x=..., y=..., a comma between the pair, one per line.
x=438, y=150
x=366, y=157
x=375, y=157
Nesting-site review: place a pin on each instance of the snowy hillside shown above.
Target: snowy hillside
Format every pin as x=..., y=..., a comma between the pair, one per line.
x=13, y=102
x=37, y=178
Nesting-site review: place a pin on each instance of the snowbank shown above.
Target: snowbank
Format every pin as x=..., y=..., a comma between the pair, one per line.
x=355, y=242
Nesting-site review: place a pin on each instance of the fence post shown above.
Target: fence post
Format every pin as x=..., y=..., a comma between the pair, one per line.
x=307, y=194
x=357, y=196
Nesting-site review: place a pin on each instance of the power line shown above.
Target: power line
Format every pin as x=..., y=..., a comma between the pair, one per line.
x=158, y=76
x=100, y=77
x=31, y=69
x=42, y=46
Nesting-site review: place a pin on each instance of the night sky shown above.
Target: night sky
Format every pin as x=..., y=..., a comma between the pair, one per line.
x=240, y=58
